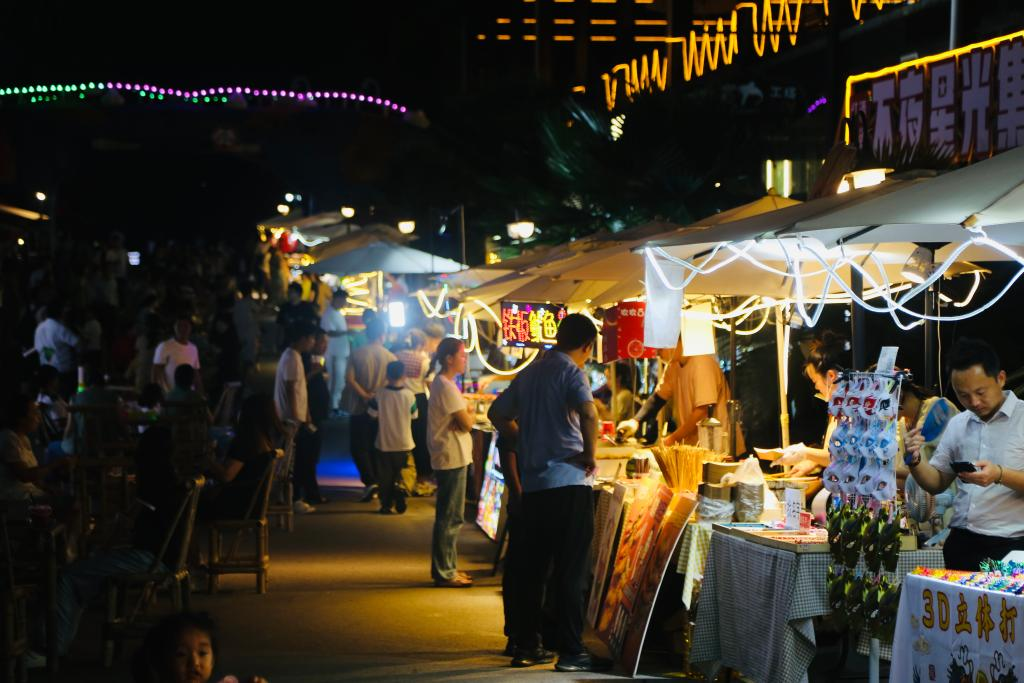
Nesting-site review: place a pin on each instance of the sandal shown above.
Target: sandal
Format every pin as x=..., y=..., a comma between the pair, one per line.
x=454, y=582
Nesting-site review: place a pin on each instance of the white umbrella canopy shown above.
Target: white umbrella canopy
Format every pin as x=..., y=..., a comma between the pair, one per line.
x=385, y=256
x=988, y=193
x=619, y=259
x=778, y=221
x=345, y=237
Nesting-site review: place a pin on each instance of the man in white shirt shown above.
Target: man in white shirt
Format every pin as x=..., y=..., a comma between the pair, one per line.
x=338, y=348
x=291, y=397
x=173, y=352
x=56, y=345
x=984, y=446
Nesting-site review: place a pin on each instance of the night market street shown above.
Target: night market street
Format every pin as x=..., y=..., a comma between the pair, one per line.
x=351, y=598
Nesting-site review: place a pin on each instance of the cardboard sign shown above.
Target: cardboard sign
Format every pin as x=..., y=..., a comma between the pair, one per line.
x=530, y=325
x=794, y=506
x=887, y=360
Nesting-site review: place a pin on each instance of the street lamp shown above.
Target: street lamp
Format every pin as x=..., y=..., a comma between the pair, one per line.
x=348, y=212
x=41, y=196
x=406, y=227
x=284, y=209
x=521, y=230
x=289, y=197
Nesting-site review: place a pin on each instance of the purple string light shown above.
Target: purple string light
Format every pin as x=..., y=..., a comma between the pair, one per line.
x=153, y=90
x=821, y=101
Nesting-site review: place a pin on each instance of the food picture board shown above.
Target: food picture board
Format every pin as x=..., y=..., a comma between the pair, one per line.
x=530, y=325
x=652, y=527
x=490, y=511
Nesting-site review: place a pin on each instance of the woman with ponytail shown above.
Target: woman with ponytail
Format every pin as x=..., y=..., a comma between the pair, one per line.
x=826, y=357
x=449, y=421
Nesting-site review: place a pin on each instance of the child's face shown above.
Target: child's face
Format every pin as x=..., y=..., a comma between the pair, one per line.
x=193, y=658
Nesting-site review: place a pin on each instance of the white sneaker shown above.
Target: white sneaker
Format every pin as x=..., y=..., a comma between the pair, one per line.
x=34, y=660
x=301, y=507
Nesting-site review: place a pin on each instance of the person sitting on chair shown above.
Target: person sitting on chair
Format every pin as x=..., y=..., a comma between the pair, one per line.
x=159, y=498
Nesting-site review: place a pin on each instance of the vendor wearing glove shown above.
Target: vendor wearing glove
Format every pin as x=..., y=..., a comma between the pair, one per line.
x=988, y=511
x=822, y=367
x=693, y=383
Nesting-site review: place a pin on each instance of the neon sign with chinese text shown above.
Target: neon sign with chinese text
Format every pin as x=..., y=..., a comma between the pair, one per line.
x=956, y=106
x=530, y=325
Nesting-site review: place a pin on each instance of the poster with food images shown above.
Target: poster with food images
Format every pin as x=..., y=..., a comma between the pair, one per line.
x=650, y=532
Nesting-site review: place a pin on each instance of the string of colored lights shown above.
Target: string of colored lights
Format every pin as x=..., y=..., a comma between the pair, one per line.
x=214, y=95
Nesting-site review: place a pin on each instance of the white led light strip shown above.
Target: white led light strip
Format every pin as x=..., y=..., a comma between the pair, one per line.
x=883, y=290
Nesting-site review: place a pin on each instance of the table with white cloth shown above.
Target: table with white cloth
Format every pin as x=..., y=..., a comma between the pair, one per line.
x=757, y=606
x=947, y=631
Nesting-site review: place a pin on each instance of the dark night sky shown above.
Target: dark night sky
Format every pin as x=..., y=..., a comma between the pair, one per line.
x=170, y=176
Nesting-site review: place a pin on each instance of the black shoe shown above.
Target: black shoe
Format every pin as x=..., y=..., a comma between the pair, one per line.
x=583, y=661
x=368, y=493
x=400, y=505
x=385, y=511
x=524, y=658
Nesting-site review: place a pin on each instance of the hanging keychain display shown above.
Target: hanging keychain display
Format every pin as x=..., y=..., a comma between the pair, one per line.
x=862, y=513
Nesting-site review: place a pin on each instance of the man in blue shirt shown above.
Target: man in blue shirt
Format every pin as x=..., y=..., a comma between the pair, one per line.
x=550, y=408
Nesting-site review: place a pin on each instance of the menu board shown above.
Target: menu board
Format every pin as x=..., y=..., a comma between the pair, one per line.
x=530, y=325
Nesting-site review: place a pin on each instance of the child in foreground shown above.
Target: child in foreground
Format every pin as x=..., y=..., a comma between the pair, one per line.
x=182, y=648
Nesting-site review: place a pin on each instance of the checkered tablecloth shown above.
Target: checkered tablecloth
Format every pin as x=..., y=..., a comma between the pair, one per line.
x=693, y=553
x=757, y=604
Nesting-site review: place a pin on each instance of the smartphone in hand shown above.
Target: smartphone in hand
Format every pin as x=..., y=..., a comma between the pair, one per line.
x=962, y=466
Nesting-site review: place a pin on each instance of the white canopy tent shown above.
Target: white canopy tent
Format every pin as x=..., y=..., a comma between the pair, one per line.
x=384, y=256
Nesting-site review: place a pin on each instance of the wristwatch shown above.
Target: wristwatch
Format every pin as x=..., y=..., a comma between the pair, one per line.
x=999, y=479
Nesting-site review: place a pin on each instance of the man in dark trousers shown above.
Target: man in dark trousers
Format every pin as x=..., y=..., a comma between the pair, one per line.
x=310, y=443
x=549, y=406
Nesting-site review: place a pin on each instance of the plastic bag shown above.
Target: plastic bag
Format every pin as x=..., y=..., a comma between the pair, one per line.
x=749, y=502
x=750, y=485
x=715, y=511
x=749, y=472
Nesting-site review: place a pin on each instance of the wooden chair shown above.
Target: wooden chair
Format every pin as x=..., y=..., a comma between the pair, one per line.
x=14, y=634
x=282, y=495
x=168, y=569
x=255, y=522
x=190, y=431
x=101, y=480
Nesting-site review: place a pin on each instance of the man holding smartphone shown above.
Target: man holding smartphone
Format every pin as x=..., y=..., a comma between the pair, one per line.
x=984, y=447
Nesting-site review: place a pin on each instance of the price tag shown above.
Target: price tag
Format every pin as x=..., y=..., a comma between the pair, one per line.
x=794, y=506
x=887, y=360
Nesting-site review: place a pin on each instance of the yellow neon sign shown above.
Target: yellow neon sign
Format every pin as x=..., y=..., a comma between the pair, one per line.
x=921, y=62
x=713, y=43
